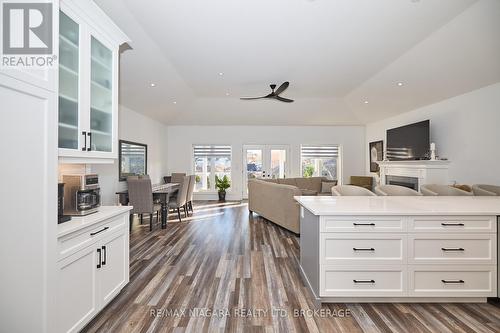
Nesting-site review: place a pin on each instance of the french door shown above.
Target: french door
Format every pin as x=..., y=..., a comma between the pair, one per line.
x=264, y=162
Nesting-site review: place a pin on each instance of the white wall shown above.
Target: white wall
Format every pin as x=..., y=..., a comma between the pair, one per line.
x=181, y=139
x=135, y=127
x=465, y=129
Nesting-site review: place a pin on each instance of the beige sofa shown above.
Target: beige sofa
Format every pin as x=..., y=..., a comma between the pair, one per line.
x=273, y=198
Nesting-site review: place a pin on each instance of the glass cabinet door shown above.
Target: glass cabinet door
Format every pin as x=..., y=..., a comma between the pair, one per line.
x=101, y=97
x=68, y=82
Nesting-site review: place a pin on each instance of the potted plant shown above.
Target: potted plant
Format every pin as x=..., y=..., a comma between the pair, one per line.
x=222, y=184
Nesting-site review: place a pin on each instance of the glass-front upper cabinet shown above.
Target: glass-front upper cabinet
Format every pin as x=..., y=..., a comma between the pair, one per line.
x=69, y=76
x=101, y=97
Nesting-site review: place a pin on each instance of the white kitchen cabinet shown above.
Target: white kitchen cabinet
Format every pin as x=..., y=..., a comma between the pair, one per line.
x=88, y=83
x=96, y=271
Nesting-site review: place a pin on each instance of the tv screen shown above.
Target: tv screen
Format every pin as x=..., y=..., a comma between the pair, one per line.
x=410, y=142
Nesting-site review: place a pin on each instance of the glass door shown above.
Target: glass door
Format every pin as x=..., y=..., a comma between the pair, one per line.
x=264, y=162
x=69, y=65
x=101, y=96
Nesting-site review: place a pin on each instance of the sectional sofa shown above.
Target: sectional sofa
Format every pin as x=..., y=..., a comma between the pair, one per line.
x=273, y=198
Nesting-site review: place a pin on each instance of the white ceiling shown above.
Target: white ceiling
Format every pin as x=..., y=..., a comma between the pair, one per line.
x=335, y=53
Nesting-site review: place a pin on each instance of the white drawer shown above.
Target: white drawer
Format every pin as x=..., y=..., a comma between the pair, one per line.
x=452, y=249
x=455, y=224
x=363, y=224
x=366, y=249
x=383, y=281
x=80, y=239
x=452, y=281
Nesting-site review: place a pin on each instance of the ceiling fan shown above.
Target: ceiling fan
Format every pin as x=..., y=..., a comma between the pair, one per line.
x=274, y=94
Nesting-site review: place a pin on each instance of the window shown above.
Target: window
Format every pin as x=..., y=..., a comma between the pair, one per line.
x=320, y=160
x=211, y=161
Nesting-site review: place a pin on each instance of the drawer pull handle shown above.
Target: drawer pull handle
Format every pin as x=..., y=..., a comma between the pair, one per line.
x=363, y=281
x=363, y=249
x=97, y=232
x=444, y=224
x=453, y=249
x=453, y=281
x=363, y=224
x=104, y=255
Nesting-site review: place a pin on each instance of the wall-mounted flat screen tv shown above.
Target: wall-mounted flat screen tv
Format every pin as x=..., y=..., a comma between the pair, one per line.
x=410, y=142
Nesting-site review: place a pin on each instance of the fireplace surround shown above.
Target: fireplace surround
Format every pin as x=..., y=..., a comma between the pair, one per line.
x=414, y=174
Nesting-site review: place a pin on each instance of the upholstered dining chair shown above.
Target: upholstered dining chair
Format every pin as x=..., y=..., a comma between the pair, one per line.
x=140, y=195
x=177, y=177
x=179, y=201
x=351, y=190
x=485, y=190
x=442, y=190
x=189, y=197
x=395, y=190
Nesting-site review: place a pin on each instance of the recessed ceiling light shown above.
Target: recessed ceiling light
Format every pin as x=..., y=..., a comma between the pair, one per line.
x=366, y=102
x=220, y=74
x=400, y=84
x=153, y=85
x=227, y=94
x=174, y=102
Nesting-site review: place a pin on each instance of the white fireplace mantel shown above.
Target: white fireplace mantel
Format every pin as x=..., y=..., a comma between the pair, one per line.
x=426, y=171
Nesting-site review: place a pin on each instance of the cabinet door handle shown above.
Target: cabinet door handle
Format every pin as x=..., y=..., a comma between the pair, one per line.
x=363, y=224
x=363, y=249
x=453, y=281
x=97, y=232
x=104, y=255
x=363, y=281
x=447, y=224
x=457, y=249
x=90, y=141
x=84, y=148
x=100, y=258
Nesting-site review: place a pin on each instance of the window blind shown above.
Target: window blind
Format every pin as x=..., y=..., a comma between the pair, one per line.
x=319, y=151
x=212, y=150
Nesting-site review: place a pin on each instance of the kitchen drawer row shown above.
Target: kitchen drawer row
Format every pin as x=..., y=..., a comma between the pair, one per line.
x=399, y=249
x=408, y=281
x=402, y=224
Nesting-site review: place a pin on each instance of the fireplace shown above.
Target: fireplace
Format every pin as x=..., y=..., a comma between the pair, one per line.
x=410, y=182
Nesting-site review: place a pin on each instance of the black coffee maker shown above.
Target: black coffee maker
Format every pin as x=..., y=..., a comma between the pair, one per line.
x=61, y=218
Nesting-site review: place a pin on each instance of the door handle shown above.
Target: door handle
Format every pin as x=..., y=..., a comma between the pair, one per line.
x=90, y=141
x=84, y=148
x=104, y=255
x=100, y=258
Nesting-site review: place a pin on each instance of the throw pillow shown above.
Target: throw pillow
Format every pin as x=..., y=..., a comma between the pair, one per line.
x=326, y=187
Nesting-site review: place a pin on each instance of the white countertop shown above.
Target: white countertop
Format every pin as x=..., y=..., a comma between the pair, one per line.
x=80, y=222
x=422, y=205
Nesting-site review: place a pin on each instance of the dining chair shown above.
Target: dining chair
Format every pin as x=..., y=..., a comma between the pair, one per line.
x=179, y=201
x=189, y=197
x=140, y=193
x=351, y=190
x=486, y=190
x=177, y=177
x=395, y=191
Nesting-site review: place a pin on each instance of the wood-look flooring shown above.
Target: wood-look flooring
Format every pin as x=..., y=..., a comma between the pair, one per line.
x=222, y=262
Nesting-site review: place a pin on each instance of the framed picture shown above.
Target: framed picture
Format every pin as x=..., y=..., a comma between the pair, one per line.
x=376, y=154
x=132, y=159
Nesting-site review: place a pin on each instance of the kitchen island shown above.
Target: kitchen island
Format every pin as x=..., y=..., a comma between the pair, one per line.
x=399, y=249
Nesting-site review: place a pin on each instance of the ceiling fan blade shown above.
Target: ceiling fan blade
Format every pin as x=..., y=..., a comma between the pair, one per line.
x=282, y=88
x=250, y=98
x=286, y=100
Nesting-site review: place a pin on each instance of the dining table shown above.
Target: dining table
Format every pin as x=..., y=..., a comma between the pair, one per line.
x=161, y=193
